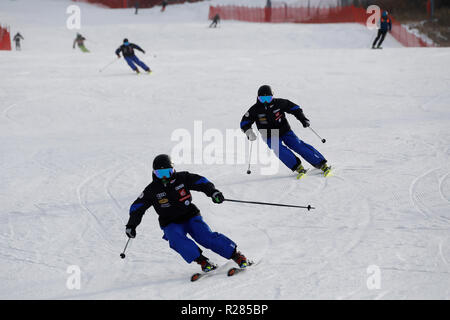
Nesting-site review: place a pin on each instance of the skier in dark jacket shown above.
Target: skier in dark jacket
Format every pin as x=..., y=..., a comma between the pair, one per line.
x=385, y=26
x=127, y=50
x=79, y=41
x=170, y=196
x=17, y=39
x=216, y=20
x=270, y=116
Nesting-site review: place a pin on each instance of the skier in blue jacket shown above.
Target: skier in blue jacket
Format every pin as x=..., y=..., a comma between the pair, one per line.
x=170, y=195
x=127, y=50
x=270, y=117
x=385, y=26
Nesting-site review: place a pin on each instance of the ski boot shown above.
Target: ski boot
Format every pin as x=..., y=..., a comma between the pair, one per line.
x=301, y=171
x=137, y=71
x=326, y=169
x=240, y=259
x=206, y=265
x=149, y=71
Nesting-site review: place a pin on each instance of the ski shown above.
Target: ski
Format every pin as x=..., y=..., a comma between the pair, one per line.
x=235, y=270
x=200, y=275
x=302, y=174
x=328, y=172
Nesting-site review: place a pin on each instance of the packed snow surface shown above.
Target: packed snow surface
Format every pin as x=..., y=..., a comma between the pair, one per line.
x=77, y=145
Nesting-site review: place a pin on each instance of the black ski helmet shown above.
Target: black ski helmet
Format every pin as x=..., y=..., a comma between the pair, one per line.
x=162, y=161
x=125, y=40
x=265, y=90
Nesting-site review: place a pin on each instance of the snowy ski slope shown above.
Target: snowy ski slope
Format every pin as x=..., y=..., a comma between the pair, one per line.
x=76, y=149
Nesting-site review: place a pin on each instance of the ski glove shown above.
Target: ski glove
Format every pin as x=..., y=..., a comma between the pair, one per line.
x=217, y=197
x=250, y=135
x=305, y=123
x=131, y=232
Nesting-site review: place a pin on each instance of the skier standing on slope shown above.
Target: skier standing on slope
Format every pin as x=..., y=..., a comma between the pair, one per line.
x=17, y=39
x=385, y=26
x=269, y=114
x=170, y=195
x=215, y=21
x=127, y=50
x=79, y=40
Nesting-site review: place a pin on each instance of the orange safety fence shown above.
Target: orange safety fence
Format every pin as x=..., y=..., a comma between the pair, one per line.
x=118, y=4
x=348, y=14
x=5, y=38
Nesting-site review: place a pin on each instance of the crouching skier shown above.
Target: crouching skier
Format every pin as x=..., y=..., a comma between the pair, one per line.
x=127, y=50
x=170, y=195
x=269, y=113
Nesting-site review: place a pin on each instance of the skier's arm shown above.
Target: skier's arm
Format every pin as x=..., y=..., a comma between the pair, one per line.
x=390, y=25
x=135, y=46
x=118, y=51
x=295, y=110
x=246, y=124
x=137, y=211
x=199, y=183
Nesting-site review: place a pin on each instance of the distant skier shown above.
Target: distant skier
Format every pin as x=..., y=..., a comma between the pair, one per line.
x=216, y=20
x=79, y=40
x=136, y=7
x=17, y=39
x=127, y=50
x=269, y=114
x=385, y=26
x=163, y=5
x=170, y=195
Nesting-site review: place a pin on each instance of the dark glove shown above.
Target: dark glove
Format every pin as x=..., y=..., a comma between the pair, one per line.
x=305, y=123
x=131, y=232
x=118, y=56
x=217, y=197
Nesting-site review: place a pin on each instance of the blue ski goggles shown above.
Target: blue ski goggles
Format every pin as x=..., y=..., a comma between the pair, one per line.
x=163, y=173
x=264, y=99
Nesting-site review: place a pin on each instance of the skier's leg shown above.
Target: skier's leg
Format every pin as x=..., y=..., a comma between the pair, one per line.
x=140, y=63
x=286, y=156
x=214, y=241
x=178, y=241
x=130, y=63
x=383, y=35
x=376, y=39
x=306, y=151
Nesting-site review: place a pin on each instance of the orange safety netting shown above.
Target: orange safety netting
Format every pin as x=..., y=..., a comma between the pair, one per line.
x=5, y=39
x=349, y=14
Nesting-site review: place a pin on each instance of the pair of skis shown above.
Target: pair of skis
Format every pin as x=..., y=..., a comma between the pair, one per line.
x=231, y=272
x=326, y=173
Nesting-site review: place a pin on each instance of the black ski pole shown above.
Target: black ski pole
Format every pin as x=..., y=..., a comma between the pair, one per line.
x=323, y=140
x=250, y=159
x=122, y=255
x=271, y=204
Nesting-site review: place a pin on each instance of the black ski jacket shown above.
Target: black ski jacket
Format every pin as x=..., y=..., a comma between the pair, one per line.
x=128, y=51
x=272, y=116
x=173, y=201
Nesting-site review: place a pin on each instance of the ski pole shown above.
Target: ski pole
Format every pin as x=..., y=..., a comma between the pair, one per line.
x=108, y=65
x=323, y=140
x=271, y=204
x=122, y=255
x=250, y=159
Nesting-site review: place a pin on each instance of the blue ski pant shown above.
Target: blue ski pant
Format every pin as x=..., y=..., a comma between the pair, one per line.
x=176, y=234
x=290, y=142
x=135, y=60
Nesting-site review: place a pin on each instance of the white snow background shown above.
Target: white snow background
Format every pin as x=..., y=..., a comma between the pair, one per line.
x=76, y=147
